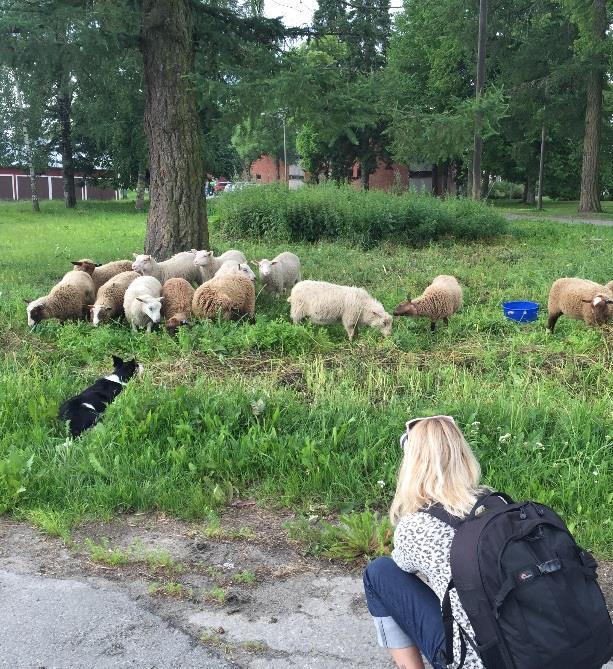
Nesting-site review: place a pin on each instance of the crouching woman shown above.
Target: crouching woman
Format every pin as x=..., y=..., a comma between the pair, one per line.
x=438, y=468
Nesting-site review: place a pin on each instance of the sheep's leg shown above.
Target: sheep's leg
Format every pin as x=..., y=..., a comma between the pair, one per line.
x=553, y=318
x=432, y=326
x=134, y=328
x=350, y=330
x=446, y=321
x=149, y=326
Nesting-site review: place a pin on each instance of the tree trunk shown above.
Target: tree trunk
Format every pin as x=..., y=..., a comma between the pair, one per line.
x=140, y=189
x=590, y=188
x=469, y=179
x=278, y=167
x=364, y=178
x=541, y=168
x=33, y=186
x=479, y=86
x=64, y=104
x=177, y=208
x=529, y=191
x=485, y=185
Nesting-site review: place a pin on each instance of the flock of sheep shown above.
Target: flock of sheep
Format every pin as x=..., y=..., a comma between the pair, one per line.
x=147, y=291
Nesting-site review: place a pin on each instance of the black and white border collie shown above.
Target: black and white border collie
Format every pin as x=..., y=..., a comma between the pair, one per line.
x=84, y=410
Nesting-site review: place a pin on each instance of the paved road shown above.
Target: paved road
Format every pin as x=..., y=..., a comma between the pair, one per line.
x=48, y=623
x=562, y=219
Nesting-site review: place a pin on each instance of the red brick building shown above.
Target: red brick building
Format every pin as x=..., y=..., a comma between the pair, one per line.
x=15, y=185
x=436, y=179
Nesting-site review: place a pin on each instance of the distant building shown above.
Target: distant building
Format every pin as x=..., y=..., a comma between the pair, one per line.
x=15, y=185
x=435, y=179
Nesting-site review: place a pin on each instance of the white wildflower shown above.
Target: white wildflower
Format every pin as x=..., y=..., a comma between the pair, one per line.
x=228, y=565
x=504, y=437
x=476, y=423
x=381, y=484
x=258, y=406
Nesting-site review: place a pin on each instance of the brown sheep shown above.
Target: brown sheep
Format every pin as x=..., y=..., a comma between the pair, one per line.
x=177, y=307
x=230, y=295
x=579, y=299
x=440, y=300
x=102, y=273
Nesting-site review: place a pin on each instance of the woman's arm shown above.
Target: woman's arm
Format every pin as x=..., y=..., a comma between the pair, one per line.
x=405, y=543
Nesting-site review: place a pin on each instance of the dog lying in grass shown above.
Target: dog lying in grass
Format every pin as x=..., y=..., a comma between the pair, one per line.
x=84, y=410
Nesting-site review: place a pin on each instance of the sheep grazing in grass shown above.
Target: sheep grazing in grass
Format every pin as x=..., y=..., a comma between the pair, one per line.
x=142, y=303
x=180, y=266
x=440, y=300
x=66, y=301
x=109, y=299
x=324, y=303
x=231, y=266
x=208, y=265
x=100, y=274
x=232, y=296
x=579, y=299
x=281, y=273
x=177, y=308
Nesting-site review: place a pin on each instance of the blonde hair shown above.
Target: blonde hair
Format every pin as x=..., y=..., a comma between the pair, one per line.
x=438, y=466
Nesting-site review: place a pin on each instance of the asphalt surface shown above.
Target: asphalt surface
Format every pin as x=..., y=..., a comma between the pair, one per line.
x=561, y=219
x=66, y=624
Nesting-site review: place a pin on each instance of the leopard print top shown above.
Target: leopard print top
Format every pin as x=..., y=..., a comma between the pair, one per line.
x=422, y=544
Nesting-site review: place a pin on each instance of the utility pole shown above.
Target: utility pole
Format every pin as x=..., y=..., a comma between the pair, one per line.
x=478, y=148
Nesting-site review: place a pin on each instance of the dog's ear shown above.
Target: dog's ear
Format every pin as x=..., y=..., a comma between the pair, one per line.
x=117, y=361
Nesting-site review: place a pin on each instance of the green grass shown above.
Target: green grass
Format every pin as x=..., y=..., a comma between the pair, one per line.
x=552, y=208
x=296, y=416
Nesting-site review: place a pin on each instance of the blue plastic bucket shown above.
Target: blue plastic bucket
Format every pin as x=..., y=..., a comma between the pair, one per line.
x=521, y=311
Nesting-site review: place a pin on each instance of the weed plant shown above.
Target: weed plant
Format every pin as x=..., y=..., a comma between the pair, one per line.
x=295, y=415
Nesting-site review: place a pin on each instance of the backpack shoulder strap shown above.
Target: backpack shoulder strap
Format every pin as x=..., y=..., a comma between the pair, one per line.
x=437, y=511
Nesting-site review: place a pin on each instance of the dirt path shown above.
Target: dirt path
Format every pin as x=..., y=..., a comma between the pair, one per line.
x=241, y=596
x=562, y=219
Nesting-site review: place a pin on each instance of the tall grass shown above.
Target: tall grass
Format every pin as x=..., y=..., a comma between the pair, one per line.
x=362, y=218
x=295, y=415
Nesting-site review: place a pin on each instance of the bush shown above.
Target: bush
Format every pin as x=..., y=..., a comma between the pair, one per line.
x=363, y=218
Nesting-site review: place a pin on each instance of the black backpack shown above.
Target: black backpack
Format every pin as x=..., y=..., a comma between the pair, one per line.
x=530, y=592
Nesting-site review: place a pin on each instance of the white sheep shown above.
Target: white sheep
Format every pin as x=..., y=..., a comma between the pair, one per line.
x=231, y=266
x=102, y=273
x=177, y=308
x=67, y=300
x=180, y=266
x=208, y=265
x=326, y=303
x=440, y=300
x=230, y=295
x=142, y=303
x=109, y=299
x=281, y=273
x=579, y=299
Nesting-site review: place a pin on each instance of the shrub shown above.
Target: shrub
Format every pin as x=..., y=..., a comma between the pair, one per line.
x=330, y=212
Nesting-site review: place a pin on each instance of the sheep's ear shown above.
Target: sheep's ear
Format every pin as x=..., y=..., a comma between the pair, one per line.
x=194, y=251
x=76, y=262
x=408, y=297
x=274, y=262
x=90, y=306
x=140, y=299
x=587, y=301
x=27, y=301
x=108, y=308
x=97, y=264
x=607, y=301
x=161, y=298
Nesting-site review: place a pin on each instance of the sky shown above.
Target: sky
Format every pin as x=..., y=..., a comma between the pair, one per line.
x=293, y=12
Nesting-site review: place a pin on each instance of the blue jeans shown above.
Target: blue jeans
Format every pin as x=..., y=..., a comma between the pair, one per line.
x=406, y=611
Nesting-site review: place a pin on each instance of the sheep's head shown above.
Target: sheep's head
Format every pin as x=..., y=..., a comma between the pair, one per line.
x=100, y=313
x=36, y=311
x=265, y=266
x=202, y=258
x=85, y=265
x=151, y=307
x=175, y=322
x=143, y=264
x=381, y=320
x=243, y=268
x=406, y=308
x=601, y=307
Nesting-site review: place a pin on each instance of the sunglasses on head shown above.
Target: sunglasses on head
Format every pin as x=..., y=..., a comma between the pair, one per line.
x=413, y=422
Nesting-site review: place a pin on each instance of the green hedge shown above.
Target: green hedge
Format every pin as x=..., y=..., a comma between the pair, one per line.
x=363, y=218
